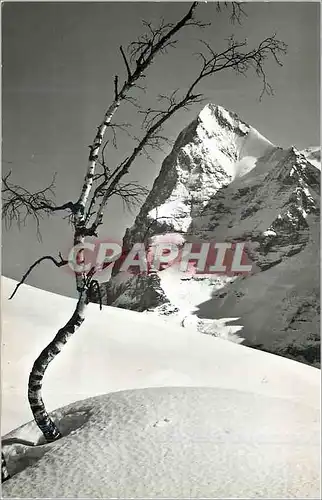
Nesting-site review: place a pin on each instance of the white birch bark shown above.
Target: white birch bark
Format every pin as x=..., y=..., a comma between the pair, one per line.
x=43, y=420
x=95, y=148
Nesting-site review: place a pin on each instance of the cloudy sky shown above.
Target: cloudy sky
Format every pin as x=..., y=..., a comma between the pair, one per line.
x=59, y=60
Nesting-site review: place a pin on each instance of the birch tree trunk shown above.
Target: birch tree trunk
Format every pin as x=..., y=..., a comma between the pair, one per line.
x=43, y=420
x=92, y=161
x=41, y=417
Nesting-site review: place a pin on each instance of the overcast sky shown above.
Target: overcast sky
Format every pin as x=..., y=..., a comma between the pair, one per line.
x=59, y=60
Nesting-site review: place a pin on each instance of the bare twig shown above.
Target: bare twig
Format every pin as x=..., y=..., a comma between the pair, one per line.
x=18, y=203
x=237, y=11
x=131, y=193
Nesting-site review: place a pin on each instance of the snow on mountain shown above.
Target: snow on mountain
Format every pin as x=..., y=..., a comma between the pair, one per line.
x=224, y=182
x=313, y=154
x=208, y=154
x=213, y=150
x=192, y=415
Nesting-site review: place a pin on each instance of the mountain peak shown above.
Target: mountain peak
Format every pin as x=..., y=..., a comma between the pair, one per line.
x=213, y=114
x=231, y=141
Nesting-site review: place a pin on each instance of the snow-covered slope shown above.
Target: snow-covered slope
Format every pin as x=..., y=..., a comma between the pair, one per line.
x=223, y=181
x=278, y=213
x=252, y=433
x=173, y=443
x=117, y=349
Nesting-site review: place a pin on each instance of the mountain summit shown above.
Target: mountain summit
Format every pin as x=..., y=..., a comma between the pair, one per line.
x=223, y=181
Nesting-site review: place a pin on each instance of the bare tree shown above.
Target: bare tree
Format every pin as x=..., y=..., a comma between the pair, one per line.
x=102, y=182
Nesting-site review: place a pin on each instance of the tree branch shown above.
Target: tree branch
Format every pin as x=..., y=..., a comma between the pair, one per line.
x=129, y=74
x=116, y=92
x=242, y=61
x=57, y=263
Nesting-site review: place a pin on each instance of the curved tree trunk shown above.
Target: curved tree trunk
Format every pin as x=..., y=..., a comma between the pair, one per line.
x=44, y=422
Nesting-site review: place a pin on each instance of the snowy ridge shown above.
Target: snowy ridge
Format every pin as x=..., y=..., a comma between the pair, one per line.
x=313, y=154
x=235, y=145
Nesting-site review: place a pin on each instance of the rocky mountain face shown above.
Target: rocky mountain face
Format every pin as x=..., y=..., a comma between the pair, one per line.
x=224, y=182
